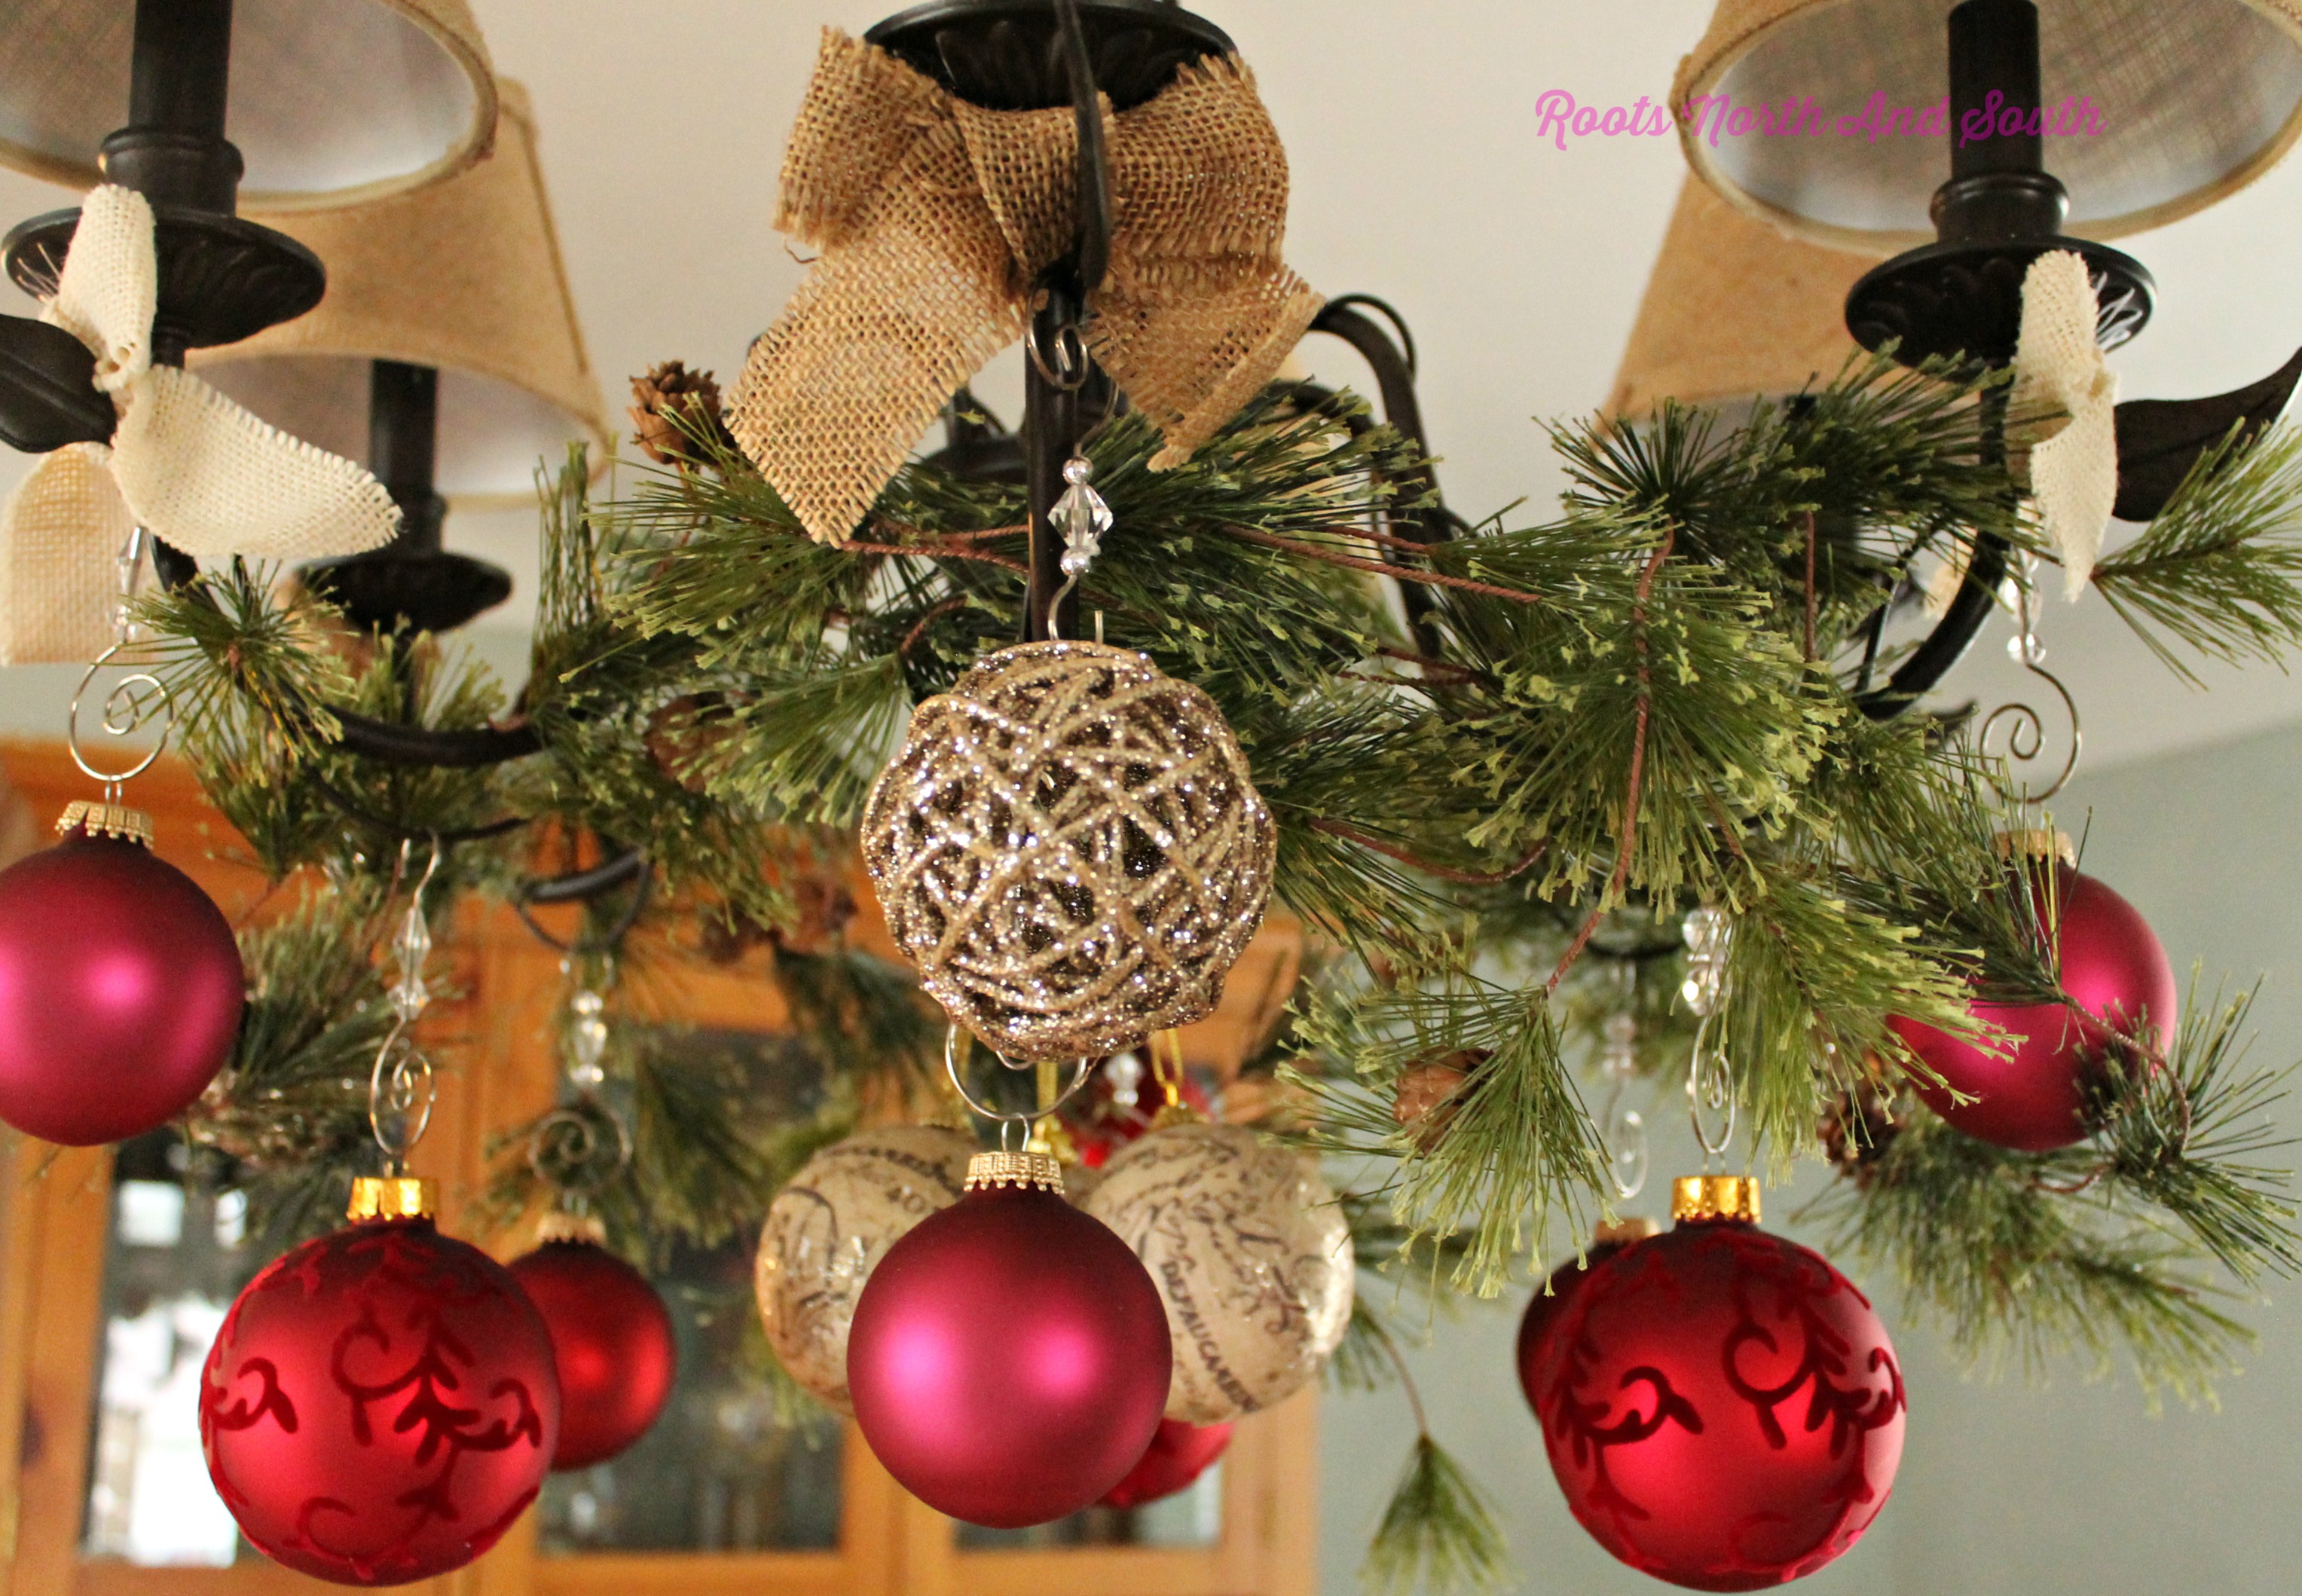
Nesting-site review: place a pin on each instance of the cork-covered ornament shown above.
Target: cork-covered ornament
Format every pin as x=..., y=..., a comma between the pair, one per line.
x=1071, y=850
x=1251, y=1256
x=828, y=1228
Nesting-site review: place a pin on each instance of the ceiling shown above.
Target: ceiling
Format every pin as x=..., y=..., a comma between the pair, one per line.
x=1416, y=177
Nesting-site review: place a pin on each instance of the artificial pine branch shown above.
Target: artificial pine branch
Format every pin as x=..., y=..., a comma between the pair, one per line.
x=2219, y=568
x=1515, y=1148
x=289, y=1107
x=2016, y=1271
x=1439, y=1529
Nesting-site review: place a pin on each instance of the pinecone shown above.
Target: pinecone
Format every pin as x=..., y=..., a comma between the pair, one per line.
x=1431, y=1093
x=1858, y=1128
x=686, y=737
x=676, y=408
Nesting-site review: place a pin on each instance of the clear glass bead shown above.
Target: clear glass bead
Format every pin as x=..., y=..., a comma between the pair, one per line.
x=409, y=997
x=587, y=1040
x=1081, y=516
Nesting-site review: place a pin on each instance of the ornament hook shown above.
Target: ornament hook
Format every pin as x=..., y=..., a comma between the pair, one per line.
x=1628, y=1153
x=1710, y=1082
x=135, y=701
x=401, y=1087
x=2014, y=733
x=1711, y=1088
x=1005, y=1120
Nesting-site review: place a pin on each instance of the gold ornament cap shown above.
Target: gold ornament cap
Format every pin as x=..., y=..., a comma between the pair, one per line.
x=1023, y=1170
x=2036, y=842
x=105, y=819
x=379, y=1197
x=560, y=1226
x=1733, y=1198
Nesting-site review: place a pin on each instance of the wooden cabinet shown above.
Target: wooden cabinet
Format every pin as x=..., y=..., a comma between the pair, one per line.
x=57, y=1210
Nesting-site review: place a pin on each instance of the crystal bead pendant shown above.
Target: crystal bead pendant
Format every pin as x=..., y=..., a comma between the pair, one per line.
x=1081, y=516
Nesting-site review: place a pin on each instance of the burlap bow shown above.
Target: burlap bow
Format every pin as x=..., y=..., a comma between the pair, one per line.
x=934, y=217
x=187, y=463
x=2074, y=458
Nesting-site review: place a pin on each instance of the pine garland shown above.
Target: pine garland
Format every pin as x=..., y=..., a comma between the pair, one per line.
x=1652, y=701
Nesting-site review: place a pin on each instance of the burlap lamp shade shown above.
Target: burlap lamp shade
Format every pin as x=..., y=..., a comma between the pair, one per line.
x=1733, y=309
x=332, y=100
x=465, y=276
x=2196, y=98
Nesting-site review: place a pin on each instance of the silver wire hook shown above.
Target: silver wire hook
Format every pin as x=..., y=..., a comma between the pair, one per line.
x=1081, y=1071
x=402, y=1083
x=2024, y=728
x=1069, y=370
x=1710, y=1086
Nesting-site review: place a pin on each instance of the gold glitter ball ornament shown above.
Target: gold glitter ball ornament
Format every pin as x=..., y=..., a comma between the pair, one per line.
x=1071, y=850
x=1250, y=1253
x=828, y=1228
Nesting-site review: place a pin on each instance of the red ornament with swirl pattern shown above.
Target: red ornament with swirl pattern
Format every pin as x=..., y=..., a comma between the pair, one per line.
x=1548, y=1306
x=1722, y=1407
x=381, y=1404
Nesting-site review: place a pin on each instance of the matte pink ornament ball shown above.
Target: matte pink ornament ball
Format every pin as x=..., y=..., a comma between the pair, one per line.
x=120, y=989
x=2034, y=1098
x=1009, y=1361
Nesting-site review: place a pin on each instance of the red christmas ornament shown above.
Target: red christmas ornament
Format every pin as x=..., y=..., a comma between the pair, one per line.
x=2034, y=1098
x=120, y=985
x=1179, y=1454
x=1544, y=1309
x=1009, y=1360
x=1722, y=1408
x=381, y=1404
x=612, y=1341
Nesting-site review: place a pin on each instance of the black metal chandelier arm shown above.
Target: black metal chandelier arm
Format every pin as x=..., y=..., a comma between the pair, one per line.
x=474, y=748
x=1953, y=635
x=388, y=742
x=1393, y=366
x=367, y=817
x=629, y=869
x=1094, y=163
x=48, y=395
x=1394, y=377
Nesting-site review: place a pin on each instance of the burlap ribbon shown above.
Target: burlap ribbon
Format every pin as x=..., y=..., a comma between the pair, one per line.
x=2073, y=457
x=185, y=462
x=934, y=218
